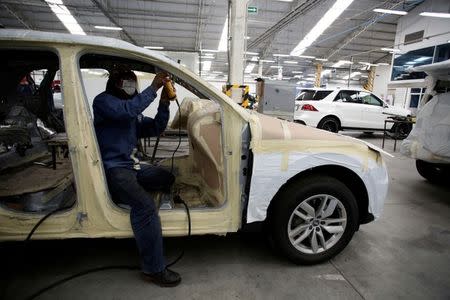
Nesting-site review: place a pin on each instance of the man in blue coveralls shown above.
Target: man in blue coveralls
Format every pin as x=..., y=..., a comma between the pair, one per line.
x=119, y=123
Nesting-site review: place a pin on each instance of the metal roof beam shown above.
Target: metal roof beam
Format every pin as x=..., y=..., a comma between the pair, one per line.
x=19, y=16
x=112, y=20
x=302, y=8
x=198, y=32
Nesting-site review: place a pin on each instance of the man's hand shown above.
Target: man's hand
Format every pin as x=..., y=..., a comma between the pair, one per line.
x=159, y=80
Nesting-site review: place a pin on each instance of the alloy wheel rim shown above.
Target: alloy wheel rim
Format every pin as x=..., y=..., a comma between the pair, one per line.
x=317, y=224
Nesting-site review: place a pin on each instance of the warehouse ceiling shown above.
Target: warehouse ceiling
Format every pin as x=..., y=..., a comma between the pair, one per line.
x=192, y=25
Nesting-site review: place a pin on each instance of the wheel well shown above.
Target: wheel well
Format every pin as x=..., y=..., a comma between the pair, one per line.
x=346, y=176
x=331, y=116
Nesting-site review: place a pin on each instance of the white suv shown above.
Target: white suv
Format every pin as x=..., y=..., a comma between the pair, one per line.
x=341, y=109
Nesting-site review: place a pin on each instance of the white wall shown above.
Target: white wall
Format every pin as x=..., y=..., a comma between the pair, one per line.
x=412, y=22
x=188, y=59
x=96, y=84
x=382, y=78
x=342, y=84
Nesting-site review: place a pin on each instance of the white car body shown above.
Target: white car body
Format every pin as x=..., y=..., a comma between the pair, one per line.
x=240, y=159
x=357, y=114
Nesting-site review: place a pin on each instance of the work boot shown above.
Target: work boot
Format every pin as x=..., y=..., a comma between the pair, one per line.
x=166, y=278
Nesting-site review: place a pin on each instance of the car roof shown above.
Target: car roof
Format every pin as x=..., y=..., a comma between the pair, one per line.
x=75, y=39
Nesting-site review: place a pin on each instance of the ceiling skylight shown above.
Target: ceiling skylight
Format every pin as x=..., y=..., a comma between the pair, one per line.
x=328, y=18
x=64, y=15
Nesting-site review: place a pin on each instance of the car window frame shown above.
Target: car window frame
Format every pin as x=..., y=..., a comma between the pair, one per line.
x=338, y=97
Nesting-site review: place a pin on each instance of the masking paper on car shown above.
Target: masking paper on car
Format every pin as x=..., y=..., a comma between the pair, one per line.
x=268, y=177
x=283, y=149
x=430, y=138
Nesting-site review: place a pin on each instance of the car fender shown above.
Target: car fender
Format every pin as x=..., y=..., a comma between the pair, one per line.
x=270, y=173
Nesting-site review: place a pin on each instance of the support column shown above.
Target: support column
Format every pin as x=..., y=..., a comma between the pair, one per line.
x=370, y=79
x=238, y=23
x=260, y=68
x=318, y=75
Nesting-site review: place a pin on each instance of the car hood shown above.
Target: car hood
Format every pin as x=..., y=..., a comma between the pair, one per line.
x=399, y=111
x=271, y=134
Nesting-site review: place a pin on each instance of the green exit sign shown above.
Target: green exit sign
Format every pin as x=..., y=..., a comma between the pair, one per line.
x=252, y=10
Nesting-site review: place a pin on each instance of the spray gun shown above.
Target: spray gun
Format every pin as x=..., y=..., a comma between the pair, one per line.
x=170, y=90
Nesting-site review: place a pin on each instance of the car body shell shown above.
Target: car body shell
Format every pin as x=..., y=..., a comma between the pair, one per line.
x=350, y=115
x=280, y=149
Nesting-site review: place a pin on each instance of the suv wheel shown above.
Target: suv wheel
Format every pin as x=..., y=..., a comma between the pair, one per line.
x=314, y=219
x=329, y=124
x=435, y=173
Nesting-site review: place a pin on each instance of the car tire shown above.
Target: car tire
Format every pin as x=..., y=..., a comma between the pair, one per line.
x=329, y=124
x=313, y=235
x=401, y=130
x=435, y=173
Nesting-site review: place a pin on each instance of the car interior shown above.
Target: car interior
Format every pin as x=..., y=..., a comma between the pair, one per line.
x=35, y=168
x=193, y=139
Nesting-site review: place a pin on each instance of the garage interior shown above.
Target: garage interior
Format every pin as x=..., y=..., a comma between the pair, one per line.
x=285, y=43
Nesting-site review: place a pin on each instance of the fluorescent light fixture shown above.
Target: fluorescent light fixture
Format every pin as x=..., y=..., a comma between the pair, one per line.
x=209, y=50
x=435, y=14
x=223, y=43
x=286, y=78
x=247, y=37
x=109, y=28
x=326, y=72
x=390, y=11
x=297, y=72
x=206, y=65
x=327, y=19
x=383, y=64
x=207, y=57
x=154, y=47
x=322, y=59
x=209, y=54
x=274, y=67
x=64, y=15
x=254, y=58
x=367, y=64
x=424, y=58
x=391, y=49
x=251, y=53
x=285, y=0
x=249, y=68
x=267, y=60
x=298, y=76
x=293, y=62
x=281, y=55
x=306, y=56
x=353, y=74
x=217, y=72
x=341, y=63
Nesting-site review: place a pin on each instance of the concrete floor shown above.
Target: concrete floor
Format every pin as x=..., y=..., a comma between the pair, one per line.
x=405, y=254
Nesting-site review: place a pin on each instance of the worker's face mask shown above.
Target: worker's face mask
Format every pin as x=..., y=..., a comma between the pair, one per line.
x=129, y=87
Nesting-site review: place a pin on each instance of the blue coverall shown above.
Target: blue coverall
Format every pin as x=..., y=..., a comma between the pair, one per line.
x=119, y=124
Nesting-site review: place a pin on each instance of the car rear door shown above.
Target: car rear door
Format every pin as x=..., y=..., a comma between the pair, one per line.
x=372, y=112
x=348, y=107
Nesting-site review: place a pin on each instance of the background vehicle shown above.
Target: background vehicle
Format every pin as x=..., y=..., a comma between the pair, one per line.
x=312, y=188
x=342, y=109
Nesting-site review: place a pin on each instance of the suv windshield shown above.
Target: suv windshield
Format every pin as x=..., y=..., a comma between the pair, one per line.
x=312, y=95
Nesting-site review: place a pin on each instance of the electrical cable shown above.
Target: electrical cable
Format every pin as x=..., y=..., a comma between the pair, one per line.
x=177, y=199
